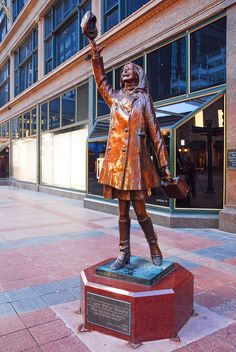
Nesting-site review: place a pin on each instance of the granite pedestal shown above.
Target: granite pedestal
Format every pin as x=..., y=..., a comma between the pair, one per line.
x=133, y=306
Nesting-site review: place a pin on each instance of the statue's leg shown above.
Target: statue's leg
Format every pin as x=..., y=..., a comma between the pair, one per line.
x=124, y=231
x=147, y=227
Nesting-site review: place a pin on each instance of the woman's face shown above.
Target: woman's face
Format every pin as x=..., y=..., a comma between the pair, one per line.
x=128, y=74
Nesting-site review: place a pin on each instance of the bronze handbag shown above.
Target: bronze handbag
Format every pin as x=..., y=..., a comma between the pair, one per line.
x=175, y=188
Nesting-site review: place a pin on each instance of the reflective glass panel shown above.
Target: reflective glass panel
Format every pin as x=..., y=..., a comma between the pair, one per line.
x=111, y=19
x=166, y=70
x=208, y=55
x=158, y=197
x=110, y=3
x=54, y=113
x=48, y=24
x=4, y=93
x=133, y=5
x=102, y=107
x=200, y=157
x=44, y=117
x=26, y=75
x=96, y=153
x=33, y=122
x=82, y=102
x=68, y=107
x=84, y=9
x=14, y=128
x=67, y=42
x=26, y=121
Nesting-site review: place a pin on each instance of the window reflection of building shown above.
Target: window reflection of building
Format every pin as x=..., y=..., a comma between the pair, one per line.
x=204, y=151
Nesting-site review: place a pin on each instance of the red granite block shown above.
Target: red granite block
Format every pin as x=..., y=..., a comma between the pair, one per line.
x=205, y=284
x=231, y=261
x=39, y=317
x=10, y=324
x=17, y=342
x=34, y=349
x=68, y=344
x=50, y=332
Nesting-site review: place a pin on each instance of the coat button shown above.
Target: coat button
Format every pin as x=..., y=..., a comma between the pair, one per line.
x=124, y=149
x=112, y=127
x=109, y=148
x=126, y=129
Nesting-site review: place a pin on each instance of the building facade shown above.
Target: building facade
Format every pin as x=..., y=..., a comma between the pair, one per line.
x=54, y=124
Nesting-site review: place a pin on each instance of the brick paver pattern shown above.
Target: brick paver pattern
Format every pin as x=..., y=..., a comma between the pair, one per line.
x=45, y=242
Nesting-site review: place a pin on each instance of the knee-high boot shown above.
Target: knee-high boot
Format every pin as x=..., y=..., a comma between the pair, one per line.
x=124, y=256
x=151, y=238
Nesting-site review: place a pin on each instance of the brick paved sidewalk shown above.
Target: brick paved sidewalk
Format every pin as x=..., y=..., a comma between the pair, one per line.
x=45, y=241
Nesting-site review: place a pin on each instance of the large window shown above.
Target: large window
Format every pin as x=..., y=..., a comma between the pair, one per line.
x=66, y=109
x=115, y=11
x=63, y=162
x=5, y=84
x=26, y=63
x=166, y=70
x=17, y=6
x=63, y=36
x=208, y=55
x=23, y=132
x=4, y=22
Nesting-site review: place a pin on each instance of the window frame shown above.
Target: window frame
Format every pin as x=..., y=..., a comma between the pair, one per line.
x=5, y=82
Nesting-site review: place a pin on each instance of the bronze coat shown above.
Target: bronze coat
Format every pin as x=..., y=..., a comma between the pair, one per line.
x=127, y=164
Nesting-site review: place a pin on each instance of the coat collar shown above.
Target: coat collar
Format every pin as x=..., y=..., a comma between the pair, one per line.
x=126, y=100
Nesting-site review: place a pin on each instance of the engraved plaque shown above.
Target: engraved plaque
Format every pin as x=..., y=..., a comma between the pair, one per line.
x=232, y=159
x=109, y=313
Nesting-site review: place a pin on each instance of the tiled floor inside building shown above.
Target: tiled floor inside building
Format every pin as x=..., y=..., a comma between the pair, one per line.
x=45, y=242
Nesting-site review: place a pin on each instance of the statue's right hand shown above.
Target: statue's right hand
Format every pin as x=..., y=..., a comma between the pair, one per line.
x=95, y=49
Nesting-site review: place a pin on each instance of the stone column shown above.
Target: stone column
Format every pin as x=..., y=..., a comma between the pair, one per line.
x=12, y=80
x=97, y=10
x=40, y=22
x=227, y=217
x=92, y=103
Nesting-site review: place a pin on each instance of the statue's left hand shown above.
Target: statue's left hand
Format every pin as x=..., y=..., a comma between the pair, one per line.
x=167, y=174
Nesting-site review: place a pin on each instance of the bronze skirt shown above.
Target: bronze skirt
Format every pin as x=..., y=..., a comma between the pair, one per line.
x=111, y=193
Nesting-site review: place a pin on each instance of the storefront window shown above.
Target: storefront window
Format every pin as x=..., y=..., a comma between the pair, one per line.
x=208, y=55
x=4, y=150
x=102, y=107
x=33, y=122
x=96, y=153
x=24, y=160
x=54, y=113
x=166, y=70
x=200, y=157
x=26, y=124
x=82, y=102
x=68, y=107
x=44, y=117
x=64, y=159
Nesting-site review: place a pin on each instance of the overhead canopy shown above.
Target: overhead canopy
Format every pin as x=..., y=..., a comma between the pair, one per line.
x=167, y=115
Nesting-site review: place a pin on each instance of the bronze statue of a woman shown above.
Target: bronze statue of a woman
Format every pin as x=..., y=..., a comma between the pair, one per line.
x=128, y=172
